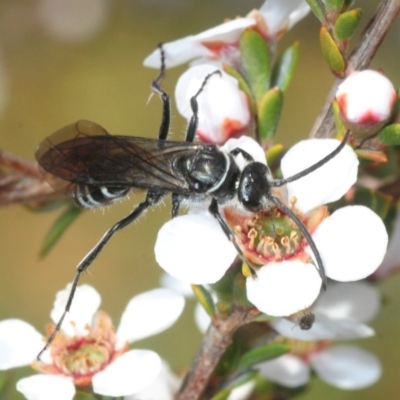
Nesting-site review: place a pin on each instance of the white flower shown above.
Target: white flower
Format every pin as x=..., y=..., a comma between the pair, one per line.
x=272, y=20
x=346, y=367
x=223, y=107
x=352, y=241
x=340, y=313
x=366, y=100
x=90, y=333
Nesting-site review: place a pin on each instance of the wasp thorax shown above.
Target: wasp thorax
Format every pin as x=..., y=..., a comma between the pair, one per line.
x=271, y=235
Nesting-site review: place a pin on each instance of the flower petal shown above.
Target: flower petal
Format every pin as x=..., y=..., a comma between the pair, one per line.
x=164, y=387
x=247, y=144
x=128, y=374
x=20, y=343
x=352, y=243
x=329, y=182
x=201, y=318
x=280, y=15
x=85, y=304
x=359, y=301
x=169, y=282
x=223, y=109
x=148, y=314
x=193, y=47
x=286, y=370
x=47, y=387
x=347, y=367
x=178, y=52
x=193, y=248
x=323, y=328
x=284, y=288
x=242, y=392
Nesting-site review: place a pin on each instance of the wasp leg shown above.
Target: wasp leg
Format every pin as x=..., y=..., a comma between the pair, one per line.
x=214, y=210
x=194, y=120
x=245, y=154
x=152, y=198
x=157, y=89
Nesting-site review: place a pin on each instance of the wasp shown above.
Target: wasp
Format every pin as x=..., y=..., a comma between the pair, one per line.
x=96, y=169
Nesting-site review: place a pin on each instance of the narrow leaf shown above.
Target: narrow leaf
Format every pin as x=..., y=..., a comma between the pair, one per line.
x=262, y=353
x=347, y=23
x=284, y=68
x=316, y=8
x=204, y=298
x=273, y=153
x=331, y=52
x=256, y=62
x=333, y=5
x=58, y=228
x=243, y=86
x=269, y=113
x=390, y=135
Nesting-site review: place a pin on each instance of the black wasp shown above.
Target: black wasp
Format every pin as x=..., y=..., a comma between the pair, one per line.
x=96, y=169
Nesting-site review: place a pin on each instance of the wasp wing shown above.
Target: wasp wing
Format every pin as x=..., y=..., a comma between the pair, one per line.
x=85, y=153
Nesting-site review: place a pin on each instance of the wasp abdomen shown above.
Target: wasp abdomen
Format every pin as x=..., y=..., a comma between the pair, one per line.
x=90, y=196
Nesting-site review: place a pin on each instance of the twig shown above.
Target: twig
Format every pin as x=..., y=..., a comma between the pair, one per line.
x=216, y=340
x=22, y=182
x=360, y=58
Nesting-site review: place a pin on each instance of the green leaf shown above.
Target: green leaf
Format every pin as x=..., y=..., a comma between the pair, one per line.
x=204, y=298
x=273, y=153
x=6, y=385
x=347, y=23
x=269, y=113
x=262, y=353
x=229, y=360
x=331, y=52
x=390, y=135
x=284, y=68
x=333, y=5
x=240, y=291
x=243, y=86
x=58, y=228
x=256, y=62
x=317, y=9
x=376, y=201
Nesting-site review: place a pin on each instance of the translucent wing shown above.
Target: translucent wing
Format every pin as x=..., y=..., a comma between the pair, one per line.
x=86, y=154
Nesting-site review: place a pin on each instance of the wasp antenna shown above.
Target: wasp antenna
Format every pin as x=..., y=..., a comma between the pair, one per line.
x=306, y=234
x=320, y=163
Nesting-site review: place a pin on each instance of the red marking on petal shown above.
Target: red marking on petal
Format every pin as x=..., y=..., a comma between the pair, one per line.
x=217, y=46
x=369, y=118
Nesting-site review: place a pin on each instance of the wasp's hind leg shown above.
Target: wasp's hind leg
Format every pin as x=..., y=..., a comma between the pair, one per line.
x=158, y=89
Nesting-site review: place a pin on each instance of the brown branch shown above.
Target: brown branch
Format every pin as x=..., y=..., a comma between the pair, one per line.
x=360, y=58
x=22, y=182
x=20, y=164
x=216, y=340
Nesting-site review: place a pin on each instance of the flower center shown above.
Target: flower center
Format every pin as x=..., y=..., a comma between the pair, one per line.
x=272, y=235
x=82, y=356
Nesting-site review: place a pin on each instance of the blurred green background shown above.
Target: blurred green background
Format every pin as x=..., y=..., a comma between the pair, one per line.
x=64, y=60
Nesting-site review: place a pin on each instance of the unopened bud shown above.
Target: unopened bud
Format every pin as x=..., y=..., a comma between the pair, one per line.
x=223, y=108
x=366, y=100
